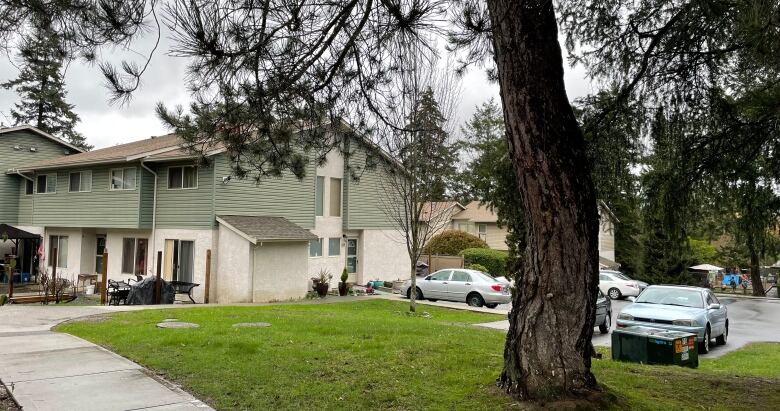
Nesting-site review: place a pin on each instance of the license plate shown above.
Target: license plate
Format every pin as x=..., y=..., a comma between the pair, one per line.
x=505, y=290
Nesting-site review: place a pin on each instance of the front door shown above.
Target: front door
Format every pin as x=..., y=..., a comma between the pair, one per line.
x=179, y=260
x=352, y=253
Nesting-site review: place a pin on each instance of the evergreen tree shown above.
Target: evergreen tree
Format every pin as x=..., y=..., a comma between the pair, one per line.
x=431, y=144
x=41, y=88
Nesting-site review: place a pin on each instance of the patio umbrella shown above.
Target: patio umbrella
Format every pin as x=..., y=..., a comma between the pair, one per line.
x=706, y=267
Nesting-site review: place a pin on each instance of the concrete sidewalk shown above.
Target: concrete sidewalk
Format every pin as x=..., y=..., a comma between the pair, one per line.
x=45, y=370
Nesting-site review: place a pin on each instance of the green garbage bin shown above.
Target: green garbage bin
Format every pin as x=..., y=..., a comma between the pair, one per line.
x=655, y=346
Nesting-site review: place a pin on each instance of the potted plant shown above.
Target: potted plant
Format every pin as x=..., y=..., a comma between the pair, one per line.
x=343, y=284
x=321, y=283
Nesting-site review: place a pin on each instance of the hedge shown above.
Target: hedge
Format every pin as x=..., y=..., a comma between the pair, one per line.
x=452, y=242
x=478, y=267
x=493, y=260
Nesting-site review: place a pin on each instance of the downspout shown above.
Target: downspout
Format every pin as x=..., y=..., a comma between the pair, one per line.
x=154, y=212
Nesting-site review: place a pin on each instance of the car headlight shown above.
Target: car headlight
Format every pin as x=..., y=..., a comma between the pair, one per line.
x=685, y=323
x=624, y=316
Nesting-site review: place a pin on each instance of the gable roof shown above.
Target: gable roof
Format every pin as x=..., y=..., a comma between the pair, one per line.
x=433, y=209
x=477, y=212
x=259, y=228
x=42, y=134
x=118, y=153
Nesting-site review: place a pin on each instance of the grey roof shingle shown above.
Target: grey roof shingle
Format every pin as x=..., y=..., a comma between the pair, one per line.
x=267, y=228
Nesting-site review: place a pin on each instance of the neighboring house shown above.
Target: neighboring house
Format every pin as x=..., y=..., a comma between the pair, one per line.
x=20, y=146
x=438, y=215
x=147, y=197
x=480, y=220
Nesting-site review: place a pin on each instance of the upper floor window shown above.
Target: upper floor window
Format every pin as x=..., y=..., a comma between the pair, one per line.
x=29, y=186
x=47, y=183
x=183, y=177
x=335, y=197
x=319, y=197
x=482, y=231
x=123, y=179
x=80, y=182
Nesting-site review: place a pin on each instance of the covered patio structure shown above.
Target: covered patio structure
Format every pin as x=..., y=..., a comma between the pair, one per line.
x=20, y=257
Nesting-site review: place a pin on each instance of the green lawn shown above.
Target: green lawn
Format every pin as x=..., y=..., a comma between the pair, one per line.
x=371, y=354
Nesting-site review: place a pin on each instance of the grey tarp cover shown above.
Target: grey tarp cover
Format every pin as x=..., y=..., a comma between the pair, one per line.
x=142, y=292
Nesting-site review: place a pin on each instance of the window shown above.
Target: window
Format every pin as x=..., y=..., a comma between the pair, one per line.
x=604, y=277
x=482, y=231
x=334, y=246
x=47, y=183
x=441, y=275
x=318, y=196
x=80, y=182
x=461, y=276
x=335, y=197
x=123, y=179
x=134, y=255
x=60, y=243
x=182, y=177
x=464, y=227
x=315, y=248
x=29, y=186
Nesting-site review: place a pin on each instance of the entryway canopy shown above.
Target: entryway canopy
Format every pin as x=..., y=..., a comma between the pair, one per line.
x=706, y=267
x=13, y=233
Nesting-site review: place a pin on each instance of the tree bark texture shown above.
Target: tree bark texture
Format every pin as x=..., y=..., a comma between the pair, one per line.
x=755, y=269
x=547, y=351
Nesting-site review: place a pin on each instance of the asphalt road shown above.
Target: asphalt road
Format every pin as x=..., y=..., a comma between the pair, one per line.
x=750, y=320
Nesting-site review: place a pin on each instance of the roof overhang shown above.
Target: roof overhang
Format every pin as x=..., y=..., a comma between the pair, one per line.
x=42, y=134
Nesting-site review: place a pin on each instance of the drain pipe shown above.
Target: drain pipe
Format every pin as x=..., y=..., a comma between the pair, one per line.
x=154, y=210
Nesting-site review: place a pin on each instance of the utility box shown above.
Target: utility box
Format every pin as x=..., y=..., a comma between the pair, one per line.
x=655, y=346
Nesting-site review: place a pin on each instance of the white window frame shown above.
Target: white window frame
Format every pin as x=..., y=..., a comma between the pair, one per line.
x=322, y=248
x=48, y=180
x=482, y=235
x=81, y=181
x=168, y=180
x=123, y=169
x=135, y=253
x=59, y=250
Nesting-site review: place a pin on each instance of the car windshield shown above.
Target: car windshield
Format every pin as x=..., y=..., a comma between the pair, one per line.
x=671, y=296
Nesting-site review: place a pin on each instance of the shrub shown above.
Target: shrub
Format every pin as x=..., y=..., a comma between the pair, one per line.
x=452, y=242
x=478, y=267
x=494, y=261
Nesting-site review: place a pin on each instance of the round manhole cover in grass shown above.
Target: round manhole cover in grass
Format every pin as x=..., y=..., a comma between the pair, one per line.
x=252, y=325
x=177, y=324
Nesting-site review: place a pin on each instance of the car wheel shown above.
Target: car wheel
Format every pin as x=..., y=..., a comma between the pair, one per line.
x=614, y=293
x=604, y=328
x=491, y=305
x=475, y=300
x=704, y=346
x=419, y=294
x=721, y=340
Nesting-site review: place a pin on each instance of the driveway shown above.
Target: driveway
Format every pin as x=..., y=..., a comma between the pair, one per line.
x=750, y=320
x=45, y=370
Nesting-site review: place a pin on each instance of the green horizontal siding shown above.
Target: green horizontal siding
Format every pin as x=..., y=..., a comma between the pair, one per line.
x=146, y=194
x=363, y=208
x=185, y=208
x=12, y=158
x=101, y=207
x=285, y=196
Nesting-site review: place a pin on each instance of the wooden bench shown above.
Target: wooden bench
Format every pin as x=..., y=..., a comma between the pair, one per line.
x=183, y=287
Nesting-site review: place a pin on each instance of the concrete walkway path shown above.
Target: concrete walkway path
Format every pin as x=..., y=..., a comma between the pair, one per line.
x=45, y=370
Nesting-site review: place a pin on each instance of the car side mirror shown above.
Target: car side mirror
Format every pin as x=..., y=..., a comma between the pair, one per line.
x=714, y=307
x=632, y=299
x=428, y=278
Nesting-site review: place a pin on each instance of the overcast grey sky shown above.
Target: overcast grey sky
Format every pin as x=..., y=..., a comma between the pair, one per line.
x=105, y=124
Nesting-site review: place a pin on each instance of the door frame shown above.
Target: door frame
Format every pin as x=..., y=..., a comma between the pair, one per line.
x=172, y=247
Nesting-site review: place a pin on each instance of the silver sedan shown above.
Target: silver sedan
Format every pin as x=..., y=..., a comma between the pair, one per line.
x=462, y=285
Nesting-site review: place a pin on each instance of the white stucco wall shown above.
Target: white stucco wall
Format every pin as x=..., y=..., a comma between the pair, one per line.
x=74, y=235
x=281, y=271
x=233, y=276
x=203, y=241
x=384, y=256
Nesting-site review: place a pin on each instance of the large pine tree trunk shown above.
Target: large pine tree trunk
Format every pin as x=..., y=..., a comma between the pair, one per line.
x=755, y=269
x=548, y=347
